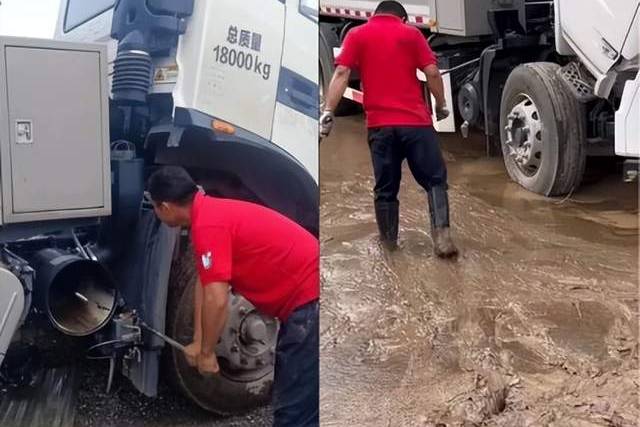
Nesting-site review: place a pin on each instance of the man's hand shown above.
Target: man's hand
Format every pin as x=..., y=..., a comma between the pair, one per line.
x=191, y=353
x=436, y=88
x=442, y=112
x=326, y=123
x=208, y=364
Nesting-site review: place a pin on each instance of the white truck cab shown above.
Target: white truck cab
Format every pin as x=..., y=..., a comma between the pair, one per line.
x=244, y=63
x=606, y=38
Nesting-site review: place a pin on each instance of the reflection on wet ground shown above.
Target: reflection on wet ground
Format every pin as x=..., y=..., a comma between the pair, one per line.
x=534, y=325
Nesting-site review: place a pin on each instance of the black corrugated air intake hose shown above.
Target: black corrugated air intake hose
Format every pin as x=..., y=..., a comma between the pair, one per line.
x=144, y=29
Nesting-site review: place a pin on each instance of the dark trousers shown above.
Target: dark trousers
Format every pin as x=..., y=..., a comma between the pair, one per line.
x=419, y=145
x=297, y=379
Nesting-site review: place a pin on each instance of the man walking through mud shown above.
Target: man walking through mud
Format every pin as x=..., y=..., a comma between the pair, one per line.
x=387, y=52
x=268, y=259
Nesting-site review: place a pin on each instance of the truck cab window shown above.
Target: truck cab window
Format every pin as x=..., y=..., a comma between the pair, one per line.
x=81, y=11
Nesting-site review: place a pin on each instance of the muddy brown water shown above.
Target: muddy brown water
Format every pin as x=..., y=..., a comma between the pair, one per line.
x=536, y=324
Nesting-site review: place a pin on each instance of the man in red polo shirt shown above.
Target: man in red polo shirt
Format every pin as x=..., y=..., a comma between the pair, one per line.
x=268, y=259
x=387, y=52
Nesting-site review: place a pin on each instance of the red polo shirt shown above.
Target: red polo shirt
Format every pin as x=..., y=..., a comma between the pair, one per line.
x=388, y=52
x=268, y=259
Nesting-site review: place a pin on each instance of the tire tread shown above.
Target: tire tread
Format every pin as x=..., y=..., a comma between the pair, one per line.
x=570, y=123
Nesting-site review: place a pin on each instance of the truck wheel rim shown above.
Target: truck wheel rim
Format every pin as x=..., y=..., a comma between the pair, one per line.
x=248, y=351
x=524, y=135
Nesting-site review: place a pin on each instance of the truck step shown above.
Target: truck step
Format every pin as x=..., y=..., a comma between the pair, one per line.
x=579, y=82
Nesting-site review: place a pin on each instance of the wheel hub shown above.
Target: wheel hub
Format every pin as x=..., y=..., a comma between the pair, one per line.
x=253, y=329
x=247, y=349
x=524, y=135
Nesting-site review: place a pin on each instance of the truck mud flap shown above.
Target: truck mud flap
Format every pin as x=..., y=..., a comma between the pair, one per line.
x=143, y=275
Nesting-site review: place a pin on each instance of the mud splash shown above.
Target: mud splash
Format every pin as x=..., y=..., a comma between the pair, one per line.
x=535, y=325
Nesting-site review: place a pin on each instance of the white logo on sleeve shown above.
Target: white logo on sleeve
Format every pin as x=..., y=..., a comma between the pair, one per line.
x=207, y=260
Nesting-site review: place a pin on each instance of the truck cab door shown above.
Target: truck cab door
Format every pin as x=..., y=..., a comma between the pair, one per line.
x=296, y=112
x=596, y=30
x=229, y=62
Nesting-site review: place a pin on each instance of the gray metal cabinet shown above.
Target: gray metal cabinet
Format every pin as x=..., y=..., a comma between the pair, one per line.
x=54, y=141
x=469, y=17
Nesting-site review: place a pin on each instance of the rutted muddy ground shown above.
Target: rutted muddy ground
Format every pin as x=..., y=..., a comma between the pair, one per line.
x=534, y=325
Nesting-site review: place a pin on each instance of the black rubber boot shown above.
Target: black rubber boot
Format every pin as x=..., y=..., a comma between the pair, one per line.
x=443, y=245
x=387, y=218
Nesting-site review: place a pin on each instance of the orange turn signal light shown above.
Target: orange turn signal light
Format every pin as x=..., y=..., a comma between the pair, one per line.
x=224, y=127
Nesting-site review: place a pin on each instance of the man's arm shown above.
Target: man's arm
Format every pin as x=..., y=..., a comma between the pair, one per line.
x=435, y=84
x=213, y=290
x=427, y=62
x=436, y=87
x=338, y=85
x=215, y=307
x=348, y=59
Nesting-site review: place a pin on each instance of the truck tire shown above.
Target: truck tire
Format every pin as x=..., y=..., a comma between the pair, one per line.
x=226, y=393
x=542, y=130
x=328, y=39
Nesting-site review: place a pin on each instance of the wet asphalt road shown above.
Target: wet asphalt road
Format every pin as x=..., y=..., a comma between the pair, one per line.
x=125, y=406
x=536, y=324
x=73, y=394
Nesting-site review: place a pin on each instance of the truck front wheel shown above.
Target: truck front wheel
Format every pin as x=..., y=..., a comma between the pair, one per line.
x=543, y=130
x=245, y=351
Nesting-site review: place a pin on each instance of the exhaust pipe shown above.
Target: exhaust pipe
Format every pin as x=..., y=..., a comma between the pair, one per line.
x=77, y=295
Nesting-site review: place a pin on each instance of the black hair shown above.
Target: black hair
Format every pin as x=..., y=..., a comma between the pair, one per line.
x=171, y=184
x=392, y=7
